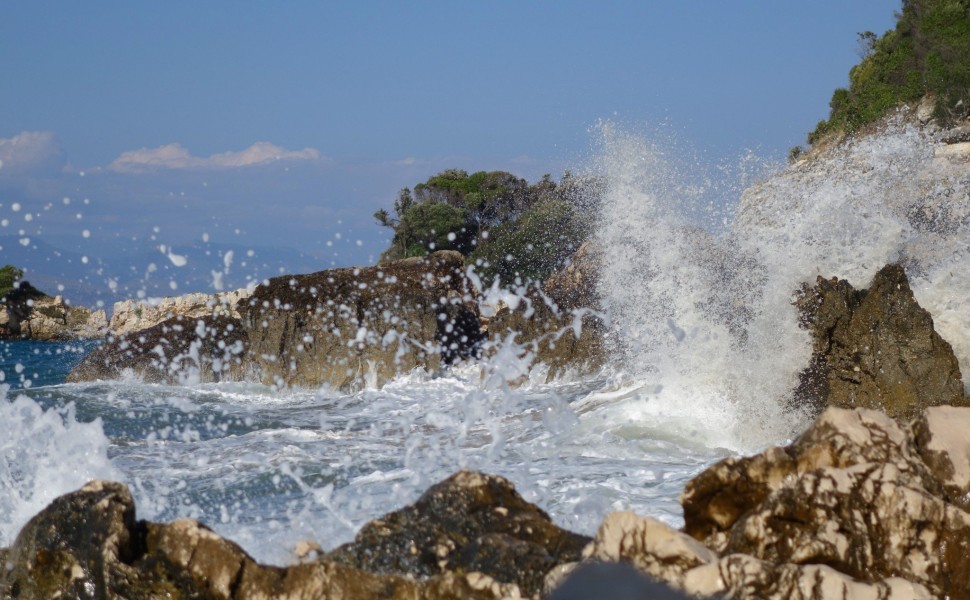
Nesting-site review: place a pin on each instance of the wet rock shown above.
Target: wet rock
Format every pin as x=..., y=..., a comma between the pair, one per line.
x=204, y=349
x=621, y=580
x=129, y=316
x=875, y=348
x=853, y=494
x=88, y=545
x=349, y=327
x=560, y=322
x=469, y=522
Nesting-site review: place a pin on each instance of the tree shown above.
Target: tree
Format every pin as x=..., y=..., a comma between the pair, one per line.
x=10, y=276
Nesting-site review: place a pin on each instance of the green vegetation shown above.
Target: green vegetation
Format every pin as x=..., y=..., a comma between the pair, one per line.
x=505, y=226
x=9, y=276
x=927, y=53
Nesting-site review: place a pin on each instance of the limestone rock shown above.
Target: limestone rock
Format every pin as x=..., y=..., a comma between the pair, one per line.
x=133, y=315
x=653, y=547
x=853, y=493
x=942, y=442
x=469, y=522
x=560, y=322
x=349, y=327
x=875, y=348
x=203, y=349
x=31, y=314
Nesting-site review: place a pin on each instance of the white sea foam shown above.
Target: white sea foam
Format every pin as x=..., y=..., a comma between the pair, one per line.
x=43, y=454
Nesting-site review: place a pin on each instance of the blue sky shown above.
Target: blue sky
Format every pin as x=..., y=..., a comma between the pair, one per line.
x=260, y=124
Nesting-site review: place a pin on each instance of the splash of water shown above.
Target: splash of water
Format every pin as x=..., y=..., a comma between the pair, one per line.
x=43, y=454
x=703, y=317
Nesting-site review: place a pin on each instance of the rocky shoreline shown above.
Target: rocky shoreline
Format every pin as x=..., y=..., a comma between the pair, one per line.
x=871, y=501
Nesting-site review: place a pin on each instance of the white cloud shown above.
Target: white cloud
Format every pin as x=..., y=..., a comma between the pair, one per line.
x=174, y=156
x=30, y=152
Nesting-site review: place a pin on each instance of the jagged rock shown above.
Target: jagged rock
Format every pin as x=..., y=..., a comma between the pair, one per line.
x=942, y=442
x=469, y=522
x=743, y=577
x=129, y=316
x=88, y=544
x=653, y=547
x=28, y=313
x=348, y=327
x=560, y=322
x=875, y=348
x=204, y=349
x=852, y=493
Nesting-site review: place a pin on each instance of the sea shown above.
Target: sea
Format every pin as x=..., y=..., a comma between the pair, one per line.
x=700, y=265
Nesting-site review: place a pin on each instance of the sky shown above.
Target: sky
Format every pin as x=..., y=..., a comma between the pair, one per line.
x=143, y=138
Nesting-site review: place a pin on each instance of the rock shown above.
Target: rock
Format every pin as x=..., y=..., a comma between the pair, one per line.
x=469, y=522
x=875, y=348
x=854, y=494
x=131, y=315
x=651, y=546
x=30, y=314
x=88, y=544
x=349, y=327
x=560, y=322
x=205, y=349
x=941, y=440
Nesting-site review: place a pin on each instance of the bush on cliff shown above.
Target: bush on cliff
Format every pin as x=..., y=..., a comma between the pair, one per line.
x=507, y=227
x=9, y=276
x=927, y=53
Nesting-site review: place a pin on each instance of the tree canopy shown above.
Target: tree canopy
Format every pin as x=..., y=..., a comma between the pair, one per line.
x=9, y=276
x=927, y=53
x=507, y=227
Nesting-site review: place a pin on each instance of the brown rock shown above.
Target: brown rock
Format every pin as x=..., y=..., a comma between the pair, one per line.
x=87, y=544
x=469, y=522
x=347, y=327
x=875, y=348
x=561, y=322
x=209, y=348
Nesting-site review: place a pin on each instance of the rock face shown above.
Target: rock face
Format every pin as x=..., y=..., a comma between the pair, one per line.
x=561, y=322
x=875, y=348
x=31, y=314
x=857, y=494
x=469, y=522
x=89, y=544
x=204, y=349
x=348, y=327
x=131, y=315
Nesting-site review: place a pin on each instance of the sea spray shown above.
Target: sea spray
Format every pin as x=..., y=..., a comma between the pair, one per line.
x=43, y=454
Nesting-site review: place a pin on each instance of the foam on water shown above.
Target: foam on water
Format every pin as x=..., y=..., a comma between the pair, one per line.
x=43, y=454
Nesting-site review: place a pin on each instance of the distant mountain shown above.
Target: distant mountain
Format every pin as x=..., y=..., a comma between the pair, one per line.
x=137, y=269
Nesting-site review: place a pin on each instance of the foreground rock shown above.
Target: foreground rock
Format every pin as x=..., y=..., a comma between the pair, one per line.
x=470, y=522
x=349, y=327
x=206, y=349
x=561, y=322
x=89, y=544
x=875, y=348
x=31, y=314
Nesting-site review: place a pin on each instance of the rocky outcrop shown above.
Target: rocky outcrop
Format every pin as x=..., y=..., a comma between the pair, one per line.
x=28, y=313
x=859, y=506
x=204, y=349
x=471, y=536
x=560, y=322
x=136, y=315
x=348, y=327
x=875, y=348
x=471, y=522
